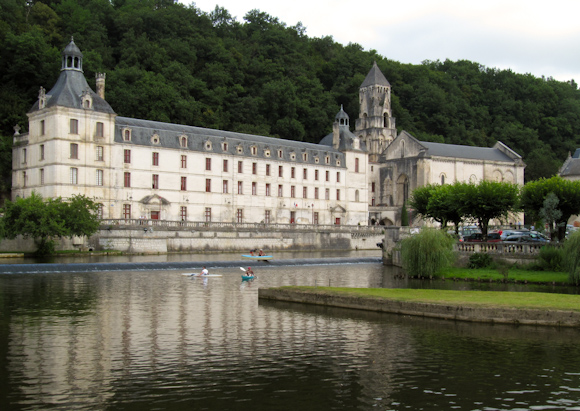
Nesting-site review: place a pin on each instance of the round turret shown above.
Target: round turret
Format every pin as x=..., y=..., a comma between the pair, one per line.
x=72, y=58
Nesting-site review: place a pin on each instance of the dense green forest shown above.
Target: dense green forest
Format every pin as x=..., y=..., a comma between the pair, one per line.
x=169, y=62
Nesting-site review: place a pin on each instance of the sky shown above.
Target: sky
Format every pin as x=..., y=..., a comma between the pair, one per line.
x=541, y=38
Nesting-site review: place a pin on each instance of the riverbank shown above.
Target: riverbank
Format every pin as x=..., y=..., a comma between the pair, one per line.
x=475, y=306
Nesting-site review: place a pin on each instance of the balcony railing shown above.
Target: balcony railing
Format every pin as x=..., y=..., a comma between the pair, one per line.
x=136, y=223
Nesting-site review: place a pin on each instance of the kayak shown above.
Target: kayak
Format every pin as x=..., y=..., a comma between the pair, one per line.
x=247, y=277
x=257, y=257
x=199, y=275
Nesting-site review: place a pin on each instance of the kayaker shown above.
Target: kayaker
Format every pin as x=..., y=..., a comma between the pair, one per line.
x=204, y=271
x=249, y=271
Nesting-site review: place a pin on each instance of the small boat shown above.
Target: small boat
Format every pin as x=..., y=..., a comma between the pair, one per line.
x=247, y=277
x=257, y=257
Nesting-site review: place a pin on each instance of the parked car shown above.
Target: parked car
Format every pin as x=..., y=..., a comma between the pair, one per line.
x=526, y=238
x=478, y=238
x=506, y=233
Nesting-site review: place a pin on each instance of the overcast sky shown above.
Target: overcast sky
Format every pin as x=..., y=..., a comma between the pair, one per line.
x=527, y=36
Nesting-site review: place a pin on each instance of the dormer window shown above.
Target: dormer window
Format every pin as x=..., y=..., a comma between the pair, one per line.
x=327, y=160
x=208, y=145
x=240, y=150
x=304, y=157
x=292, y=156
x=86, y=100
x=316, y=160
x=225, y=146
x=183, y=142
x=280, y=153
x=266, y=153
x=155, y=139
x=254, y=150
x=126, y=134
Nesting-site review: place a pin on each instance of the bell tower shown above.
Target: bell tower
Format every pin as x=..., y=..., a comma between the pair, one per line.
x=376, y=124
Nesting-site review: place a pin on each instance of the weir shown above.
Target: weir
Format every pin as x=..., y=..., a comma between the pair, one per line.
x=187, y=265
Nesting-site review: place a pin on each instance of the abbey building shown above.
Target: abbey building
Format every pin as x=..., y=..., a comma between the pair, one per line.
x=141, y=169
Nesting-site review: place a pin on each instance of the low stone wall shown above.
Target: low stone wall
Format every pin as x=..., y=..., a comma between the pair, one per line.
x=443, y=311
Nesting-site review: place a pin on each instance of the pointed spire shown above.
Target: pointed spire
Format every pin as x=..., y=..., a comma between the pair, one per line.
x=375, y=77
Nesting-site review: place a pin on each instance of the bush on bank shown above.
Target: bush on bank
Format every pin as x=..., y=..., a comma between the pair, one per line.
x=428, y=252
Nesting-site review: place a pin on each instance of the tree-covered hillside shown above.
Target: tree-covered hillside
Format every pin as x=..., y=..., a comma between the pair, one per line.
x=169, y=62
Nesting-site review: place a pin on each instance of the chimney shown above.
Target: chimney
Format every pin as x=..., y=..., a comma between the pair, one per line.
x=101, y=84
x=335, y=134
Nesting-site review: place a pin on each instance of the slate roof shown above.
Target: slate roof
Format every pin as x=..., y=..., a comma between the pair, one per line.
x=68, y=90
x=468, y=152
x=571, y=166
x=375, y=77
x=169, y=136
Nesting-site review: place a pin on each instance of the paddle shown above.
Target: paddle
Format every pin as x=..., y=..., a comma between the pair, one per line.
x=243, y=269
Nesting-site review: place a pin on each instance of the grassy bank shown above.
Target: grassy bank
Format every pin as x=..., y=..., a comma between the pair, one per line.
x=502, y=299
x=513, y=275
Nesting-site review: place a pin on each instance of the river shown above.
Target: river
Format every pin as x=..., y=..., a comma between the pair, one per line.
x=158, y=340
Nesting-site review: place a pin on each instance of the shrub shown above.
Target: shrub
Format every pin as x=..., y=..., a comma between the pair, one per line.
x=551, y=258
x=572, y=257
x=479, y=260
x=427, y=253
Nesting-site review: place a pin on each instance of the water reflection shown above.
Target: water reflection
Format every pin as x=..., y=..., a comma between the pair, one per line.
x=160, y=340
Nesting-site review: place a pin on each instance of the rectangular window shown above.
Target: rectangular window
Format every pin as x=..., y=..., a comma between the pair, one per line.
x=127, y=180
x=25, y=178
x=356, y=165
x=183, y=183
x=155, y=182
x=338, y=195
x=127, y=156
x=126, y=211
x=100, y=155
x=240, y=187
x=42, y=176
x=372, y=187
x=100, y=129
x=225, y=185
x=315, y=215
x=293, y=172
x=183, y=161
x=24, y=155
x=292, y=191
x=316, y=175
x=338, y=177
x=280, y=171
x=208, y=164
x=240, y=215
x=42, y=131
x=267, y=190
x=155, y=159
x=208, y=185
x=267, y=216
x=305, y=174
x=316, y=193
x=183, y=213
x=74, y=126
x=225, y=167
x=100, y=210
x=280, y=190
x=327, y=194
x=267, y=169
x=327, y=176
x=254, y=168
x=240, y=167
x=74, y=175
x=99, y=177
x=42, y=151
x=304, y=192
x=254, y=188
x=208, y=214
x=74, y=150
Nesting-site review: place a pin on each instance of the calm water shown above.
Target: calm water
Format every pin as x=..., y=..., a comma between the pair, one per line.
x=162, y=341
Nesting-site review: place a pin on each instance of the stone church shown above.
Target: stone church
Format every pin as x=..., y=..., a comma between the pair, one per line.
x=142, y=169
